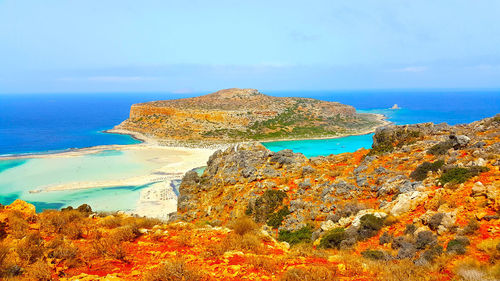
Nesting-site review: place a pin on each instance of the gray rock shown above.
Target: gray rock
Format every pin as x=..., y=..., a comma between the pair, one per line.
x=360, y=168
x=305, y=184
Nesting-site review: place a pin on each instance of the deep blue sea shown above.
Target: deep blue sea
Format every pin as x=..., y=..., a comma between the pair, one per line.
x=31, y=123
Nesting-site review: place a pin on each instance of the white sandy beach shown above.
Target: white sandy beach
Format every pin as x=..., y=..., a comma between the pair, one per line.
x=109, y=166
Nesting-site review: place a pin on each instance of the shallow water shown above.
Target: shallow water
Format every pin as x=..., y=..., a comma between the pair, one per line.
x=311, y=148
x=18, y=177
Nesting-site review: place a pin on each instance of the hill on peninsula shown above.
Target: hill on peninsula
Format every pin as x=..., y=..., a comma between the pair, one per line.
x=246, y=114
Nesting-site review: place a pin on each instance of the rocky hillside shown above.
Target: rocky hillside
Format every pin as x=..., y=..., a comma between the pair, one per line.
x=245, y=114
x=424, y=192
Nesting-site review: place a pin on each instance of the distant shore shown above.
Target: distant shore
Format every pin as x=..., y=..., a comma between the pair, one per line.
x=221, y=145
x=379, y=117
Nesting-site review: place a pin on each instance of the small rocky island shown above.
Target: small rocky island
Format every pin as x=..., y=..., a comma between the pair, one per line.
x=234, y=115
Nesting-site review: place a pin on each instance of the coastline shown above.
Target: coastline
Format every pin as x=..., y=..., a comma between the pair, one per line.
x=380, y=117
x=216, y=145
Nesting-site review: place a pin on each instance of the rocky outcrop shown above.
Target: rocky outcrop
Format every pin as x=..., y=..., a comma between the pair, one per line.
x=359, y=191
x=244, y=114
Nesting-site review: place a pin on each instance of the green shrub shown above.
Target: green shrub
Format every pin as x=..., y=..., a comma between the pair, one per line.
x=381, y=149
x=432, y=253
x=373, y=254
x=369, y=225
x=457, y=246
x=421, y=171
x=277, y=218
x=461, y=175
x=262, y=208
x=333, y=238
x=440, y=148
x=295, y=237
x=424, y=239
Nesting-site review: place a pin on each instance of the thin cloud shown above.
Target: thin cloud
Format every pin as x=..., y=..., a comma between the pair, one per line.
x=114, y=79
x=412, y=69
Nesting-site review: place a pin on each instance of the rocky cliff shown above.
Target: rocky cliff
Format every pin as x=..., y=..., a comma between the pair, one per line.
x=245, y=114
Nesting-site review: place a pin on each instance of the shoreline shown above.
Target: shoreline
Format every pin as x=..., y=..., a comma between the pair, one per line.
x=215, y=145
x=146, y=141
x=380, y=117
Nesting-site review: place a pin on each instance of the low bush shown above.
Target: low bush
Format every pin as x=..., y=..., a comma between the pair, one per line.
x=457, y=246
x=432, y=253
x=30, y=248
x=369, y=225
x=275, y=219
x=111, y=221
x=385, y=238
x=406, y=251
x=17, y=224
x=374, y=254
x=262, y=208
x=302, y=235
x=249, y=242
x=424, y=239
x=421, y=171
x=243, y=225
x=176, y=270
x=460, y=175
x=126, y=233
x=435, y=221
x=333, y=238
x=108, y=247
x=69, y=222
x=440, y=148
x=410, y=229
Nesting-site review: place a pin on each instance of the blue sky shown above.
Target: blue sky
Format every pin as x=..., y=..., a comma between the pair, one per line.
x=189, y=46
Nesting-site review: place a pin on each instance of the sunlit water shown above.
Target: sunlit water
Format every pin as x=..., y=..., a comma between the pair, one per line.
x=19, y=177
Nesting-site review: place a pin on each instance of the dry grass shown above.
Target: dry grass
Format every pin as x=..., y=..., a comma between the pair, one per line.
x=310, y=273
x=125, y=233
x=307, y=250
x=108, y=247
x=402, y=270
x=73, y=224
x=249, y=242
x=243, y=225
x=30, y=248
x=111, y=221
x=470, y=269
x=265, y=263
x=39, y=271
x=176, y=270
x=17, y=224
x=59, y=248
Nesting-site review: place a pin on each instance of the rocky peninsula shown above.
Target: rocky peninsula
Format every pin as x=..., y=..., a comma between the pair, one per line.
x=236, y=115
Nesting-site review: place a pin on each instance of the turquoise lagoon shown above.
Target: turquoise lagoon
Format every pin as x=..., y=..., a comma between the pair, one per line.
x=20, y=176
x=311, y=148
